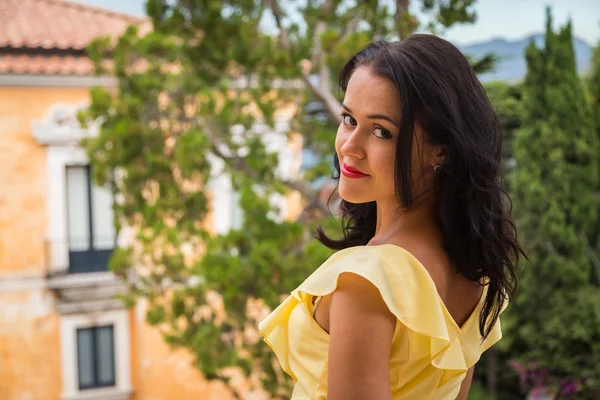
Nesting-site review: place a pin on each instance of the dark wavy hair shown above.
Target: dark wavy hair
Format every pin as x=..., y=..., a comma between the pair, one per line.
x=439, y=90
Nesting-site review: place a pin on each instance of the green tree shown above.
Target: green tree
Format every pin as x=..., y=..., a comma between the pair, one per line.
x=191, y=89
x=594, y=87
x=506, y=99
x=594, y=79
x=555, y=321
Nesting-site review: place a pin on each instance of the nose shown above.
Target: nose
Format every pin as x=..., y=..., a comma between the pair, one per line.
x=353, y=144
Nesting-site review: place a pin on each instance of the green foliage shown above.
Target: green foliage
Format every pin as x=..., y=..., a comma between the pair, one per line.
x=477, y=392
x=594, y=79
x=594, y=89
x=556, y=319
x=506, y=100
x=190, y=90
x=486, y=63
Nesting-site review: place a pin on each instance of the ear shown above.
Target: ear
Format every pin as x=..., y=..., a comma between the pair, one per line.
x=439, y=155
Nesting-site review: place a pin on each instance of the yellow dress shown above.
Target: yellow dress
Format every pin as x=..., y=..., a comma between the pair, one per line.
x=430, y=352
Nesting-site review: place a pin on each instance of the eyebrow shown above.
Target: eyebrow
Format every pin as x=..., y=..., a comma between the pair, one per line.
x=376, y=116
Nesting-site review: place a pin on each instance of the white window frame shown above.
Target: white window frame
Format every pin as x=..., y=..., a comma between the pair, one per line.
x=61, y=133
x=58, y=159
x=69, y=324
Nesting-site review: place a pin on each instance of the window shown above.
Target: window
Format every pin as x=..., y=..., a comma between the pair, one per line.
x=90, y=222
x=95, y=347
x=95, y=357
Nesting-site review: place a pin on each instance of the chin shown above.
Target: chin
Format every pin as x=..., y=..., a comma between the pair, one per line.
x=353, y=193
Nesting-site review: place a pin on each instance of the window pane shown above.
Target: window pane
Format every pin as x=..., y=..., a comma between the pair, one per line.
x=78, y=208
x=85, y=357
x=105, y=354
x=102, y=214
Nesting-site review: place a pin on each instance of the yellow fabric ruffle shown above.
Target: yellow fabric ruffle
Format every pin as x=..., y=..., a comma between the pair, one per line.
x=409, y=292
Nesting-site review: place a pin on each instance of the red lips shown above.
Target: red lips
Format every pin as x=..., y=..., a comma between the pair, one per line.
x=350, y=172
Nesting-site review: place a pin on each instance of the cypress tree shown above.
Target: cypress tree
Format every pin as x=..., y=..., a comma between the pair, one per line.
x=594, y=87
x=556, y=319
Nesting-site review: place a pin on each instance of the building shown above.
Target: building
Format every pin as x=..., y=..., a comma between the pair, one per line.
x=63, y=334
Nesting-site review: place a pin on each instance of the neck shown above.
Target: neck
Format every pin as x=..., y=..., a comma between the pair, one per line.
x=393, y=219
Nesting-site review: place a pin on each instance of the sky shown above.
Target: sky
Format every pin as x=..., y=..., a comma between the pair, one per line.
x=509, y=19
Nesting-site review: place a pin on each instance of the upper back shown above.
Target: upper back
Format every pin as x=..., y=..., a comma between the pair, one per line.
x=459, y=295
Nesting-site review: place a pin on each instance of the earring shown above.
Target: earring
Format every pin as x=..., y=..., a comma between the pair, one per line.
x=437, y=169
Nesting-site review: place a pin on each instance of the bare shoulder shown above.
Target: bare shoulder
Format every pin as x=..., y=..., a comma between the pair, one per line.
x=358, y=294
x=361, y=333
x=359, y=302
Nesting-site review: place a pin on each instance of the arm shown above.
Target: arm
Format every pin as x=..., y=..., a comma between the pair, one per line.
x=466, y=385
x=361, y=331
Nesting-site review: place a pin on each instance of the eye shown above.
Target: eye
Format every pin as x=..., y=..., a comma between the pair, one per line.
x=347, y=119
x=382, y=133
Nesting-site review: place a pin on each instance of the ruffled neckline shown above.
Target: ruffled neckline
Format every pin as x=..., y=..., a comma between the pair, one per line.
x=474, y=314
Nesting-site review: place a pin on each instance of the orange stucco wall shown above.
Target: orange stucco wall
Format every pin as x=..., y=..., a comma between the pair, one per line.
x=29, y=346
x=22, y=176
x=30, y=365
x=162, y=373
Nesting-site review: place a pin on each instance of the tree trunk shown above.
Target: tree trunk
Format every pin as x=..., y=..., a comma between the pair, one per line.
x=492, y=372
x=401, y=9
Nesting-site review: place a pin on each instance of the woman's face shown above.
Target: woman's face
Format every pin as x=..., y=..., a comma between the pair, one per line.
x=366, y=138
x=366, y=143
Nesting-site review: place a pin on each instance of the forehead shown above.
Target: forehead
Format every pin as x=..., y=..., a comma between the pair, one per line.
x=369, y=93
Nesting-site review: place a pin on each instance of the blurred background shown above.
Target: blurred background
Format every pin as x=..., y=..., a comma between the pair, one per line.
x=164, y=165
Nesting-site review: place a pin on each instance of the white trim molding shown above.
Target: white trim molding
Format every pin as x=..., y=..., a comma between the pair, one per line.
x=69, y=324
x=102, y=394
x=61, y=132
x=58, y=80
x=83, y=280
x=61, y=127
x=58, y=158
x=10, y=284
x=90, y=292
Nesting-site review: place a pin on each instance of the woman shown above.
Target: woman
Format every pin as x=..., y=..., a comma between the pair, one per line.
x=426, y=265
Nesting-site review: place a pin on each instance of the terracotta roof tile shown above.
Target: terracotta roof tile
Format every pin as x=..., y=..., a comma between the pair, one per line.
x=57, y=24
x=45, y=65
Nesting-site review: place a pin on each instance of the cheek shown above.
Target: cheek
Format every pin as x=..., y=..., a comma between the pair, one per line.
x=339, y=141
x=386, y=165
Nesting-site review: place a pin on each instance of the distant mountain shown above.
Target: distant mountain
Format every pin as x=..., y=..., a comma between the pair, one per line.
x=512, y=65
